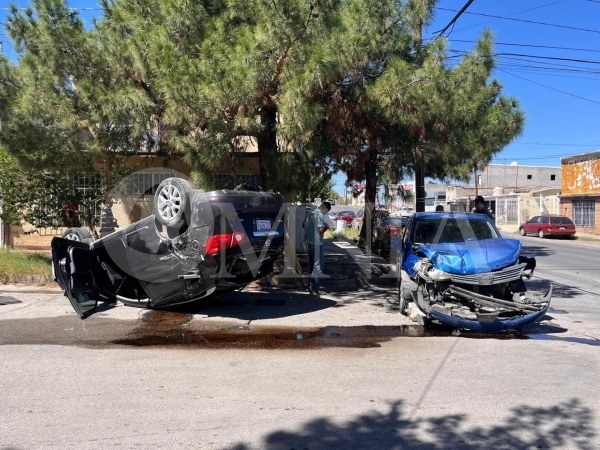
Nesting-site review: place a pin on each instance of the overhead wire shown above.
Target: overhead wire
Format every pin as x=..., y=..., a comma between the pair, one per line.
x=511, y=63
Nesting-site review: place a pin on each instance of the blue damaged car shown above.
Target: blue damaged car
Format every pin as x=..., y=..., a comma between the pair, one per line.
x=457, y=269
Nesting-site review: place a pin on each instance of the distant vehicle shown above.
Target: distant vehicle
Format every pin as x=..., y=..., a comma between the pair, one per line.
x=548, y=225
x=347, y=216
x=387, y=236
x=357, y=222
x=403, y=212
x=359, y=218
x=457, y=269
x=194, y=245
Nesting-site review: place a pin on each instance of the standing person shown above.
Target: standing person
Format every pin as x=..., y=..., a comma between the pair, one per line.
x=315, y=226
x=481, y=208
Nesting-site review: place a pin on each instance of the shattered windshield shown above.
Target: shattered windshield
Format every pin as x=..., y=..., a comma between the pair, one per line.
x=450, y=229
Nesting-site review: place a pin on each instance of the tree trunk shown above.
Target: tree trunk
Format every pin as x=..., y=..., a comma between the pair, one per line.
x=366, y=232
x=267, y=147
x=420, y=177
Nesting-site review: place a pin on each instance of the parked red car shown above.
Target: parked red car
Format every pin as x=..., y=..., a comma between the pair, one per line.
x=346, y=216
x=548, y=225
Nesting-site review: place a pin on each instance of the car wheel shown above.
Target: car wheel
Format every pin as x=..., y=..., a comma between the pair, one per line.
x=522, y=231
x=172, y=202
x=78, y=234
x=541, y=234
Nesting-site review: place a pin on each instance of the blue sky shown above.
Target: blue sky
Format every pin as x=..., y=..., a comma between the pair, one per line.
x=548, y=57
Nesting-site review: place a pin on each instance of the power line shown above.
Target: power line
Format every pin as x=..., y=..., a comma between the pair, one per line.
x=545, y=47
x=455, y=18
x=551, y=88
x=568, y=27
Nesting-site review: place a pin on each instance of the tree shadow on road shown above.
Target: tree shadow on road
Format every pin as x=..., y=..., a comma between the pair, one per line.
x=568, y=425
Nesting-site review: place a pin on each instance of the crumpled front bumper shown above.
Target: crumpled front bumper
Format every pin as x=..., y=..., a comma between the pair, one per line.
x=529, y=313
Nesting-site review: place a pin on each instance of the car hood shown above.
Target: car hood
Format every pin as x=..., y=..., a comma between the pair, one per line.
x=471, y=257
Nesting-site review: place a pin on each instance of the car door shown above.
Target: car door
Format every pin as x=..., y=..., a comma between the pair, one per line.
x=531, y=226
x=544, y=224
x=79, y=274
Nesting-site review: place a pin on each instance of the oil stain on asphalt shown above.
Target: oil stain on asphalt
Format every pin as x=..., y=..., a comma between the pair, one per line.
x=159, y=328
x=178, y=330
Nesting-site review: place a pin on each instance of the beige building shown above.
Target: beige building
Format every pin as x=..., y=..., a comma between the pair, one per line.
x=134, y=196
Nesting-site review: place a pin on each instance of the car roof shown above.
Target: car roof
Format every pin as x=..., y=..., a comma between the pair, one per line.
x=449, y=214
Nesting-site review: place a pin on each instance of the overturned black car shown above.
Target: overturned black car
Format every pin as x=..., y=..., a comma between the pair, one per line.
x=195, y=244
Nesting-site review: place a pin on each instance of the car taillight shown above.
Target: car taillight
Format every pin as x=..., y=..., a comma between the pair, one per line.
x=219, y=242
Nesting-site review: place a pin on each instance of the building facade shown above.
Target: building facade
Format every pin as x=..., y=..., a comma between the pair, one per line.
x=515, y=178
x=580, y=192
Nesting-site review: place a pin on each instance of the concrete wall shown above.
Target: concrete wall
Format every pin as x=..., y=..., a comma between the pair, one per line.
x=517, y=178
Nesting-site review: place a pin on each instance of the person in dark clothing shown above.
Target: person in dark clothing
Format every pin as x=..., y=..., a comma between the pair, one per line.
x=481, y=208
x=315, y=226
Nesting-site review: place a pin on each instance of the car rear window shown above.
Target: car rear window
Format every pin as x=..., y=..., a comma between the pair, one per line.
x=561, y=221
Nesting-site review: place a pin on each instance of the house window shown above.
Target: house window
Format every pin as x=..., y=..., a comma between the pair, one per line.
x=75, y=208
x=145, y=183
x=230, y=180
x=584, y=211
x=87, y=184
x=529, y=177
x=552, y=177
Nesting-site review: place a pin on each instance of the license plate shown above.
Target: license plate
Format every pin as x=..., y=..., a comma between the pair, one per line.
x=263, y=225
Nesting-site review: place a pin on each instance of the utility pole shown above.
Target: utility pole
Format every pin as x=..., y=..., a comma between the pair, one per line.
x=419, y=150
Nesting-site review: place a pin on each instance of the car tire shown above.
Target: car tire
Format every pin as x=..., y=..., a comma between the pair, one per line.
x=541, y=234
x=172, y=202
x=78, y=234
x=522, y=231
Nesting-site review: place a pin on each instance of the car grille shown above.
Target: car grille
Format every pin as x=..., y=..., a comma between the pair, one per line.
x=487, y=278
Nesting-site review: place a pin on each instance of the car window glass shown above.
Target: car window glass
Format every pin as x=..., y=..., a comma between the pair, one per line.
x=482, y=229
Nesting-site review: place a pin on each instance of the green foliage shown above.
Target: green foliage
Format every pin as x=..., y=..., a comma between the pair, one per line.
x=45, y=199
x=317, y=86
x=14, y=188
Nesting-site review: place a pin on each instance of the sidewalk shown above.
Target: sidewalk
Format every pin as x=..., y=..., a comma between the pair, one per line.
x=357, y=290
x=347, y=268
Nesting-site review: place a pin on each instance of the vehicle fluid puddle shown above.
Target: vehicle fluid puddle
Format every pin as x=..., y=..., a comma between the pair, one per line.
x=160, y=328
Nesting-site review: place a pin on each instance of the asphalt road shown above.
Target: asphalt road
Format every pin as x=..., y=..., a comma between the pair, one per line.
x=275, y=368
